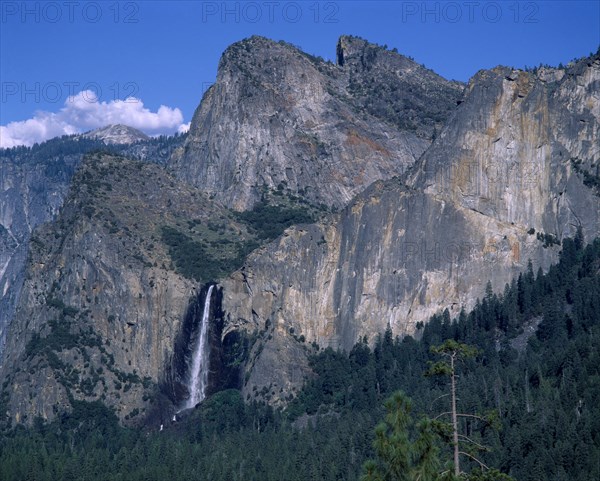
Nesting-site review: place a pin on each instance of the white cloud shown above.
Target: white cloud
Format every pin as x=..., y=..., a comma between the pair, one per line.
x=83, y=112
x=183, y=128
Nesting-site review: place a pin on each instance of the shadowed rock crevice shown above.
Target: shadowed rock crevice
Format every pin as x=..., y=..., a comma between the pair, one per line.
x=174, y=385
x=226, y=356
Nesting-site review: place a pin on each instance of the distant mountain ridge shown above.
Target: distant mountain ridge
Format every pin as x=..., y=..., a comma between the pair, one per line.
x=117, y=134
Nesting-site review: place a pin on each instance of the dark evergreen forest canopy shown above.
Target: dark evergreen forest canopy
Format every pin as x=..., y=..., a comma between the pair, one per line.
x=538, y=370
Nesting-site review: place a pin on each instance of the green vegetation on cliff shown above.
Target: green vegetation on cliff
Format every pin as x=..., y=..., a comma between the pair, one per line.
x=210, y=250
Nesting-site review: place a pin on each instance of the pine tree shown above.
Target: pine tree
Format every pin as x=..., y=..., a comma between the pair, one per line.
x=398, y=457
x=453, y=353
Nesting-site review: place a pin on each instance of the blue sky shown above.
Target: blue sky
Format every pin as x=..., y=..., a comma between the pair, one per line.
x=166, y=53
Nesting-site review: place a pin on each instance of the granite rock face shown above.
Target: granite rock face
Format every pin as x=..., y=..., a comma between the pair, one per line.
x=509, y=151
x=34, y=183
x=395, y=89
x=501, y=173
x=435, y=196
x=31, y=193
x=101, y=304
x=279, y=117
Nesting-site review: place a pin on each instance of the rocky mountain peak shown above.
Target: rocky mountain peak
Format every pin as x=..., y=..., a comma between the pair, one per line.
x=396, y=88
x=279, y=118
x=355, y=50
x=117, y=134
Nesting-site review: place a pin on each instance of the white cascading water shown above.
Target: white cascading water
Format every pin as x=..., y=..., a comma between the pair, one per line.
x=198, y=374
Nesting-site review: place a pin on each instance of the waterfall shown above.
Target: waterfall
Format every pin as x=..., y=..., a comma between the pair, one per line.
x=197, y=378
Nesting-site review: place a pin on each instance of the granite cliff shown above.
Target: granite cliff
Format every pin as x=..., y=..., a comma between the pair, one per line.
x=103, y=302
x=279, y=117
x=512, y=173
x=427, y=188
x=32, y=190
x=34, y=183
